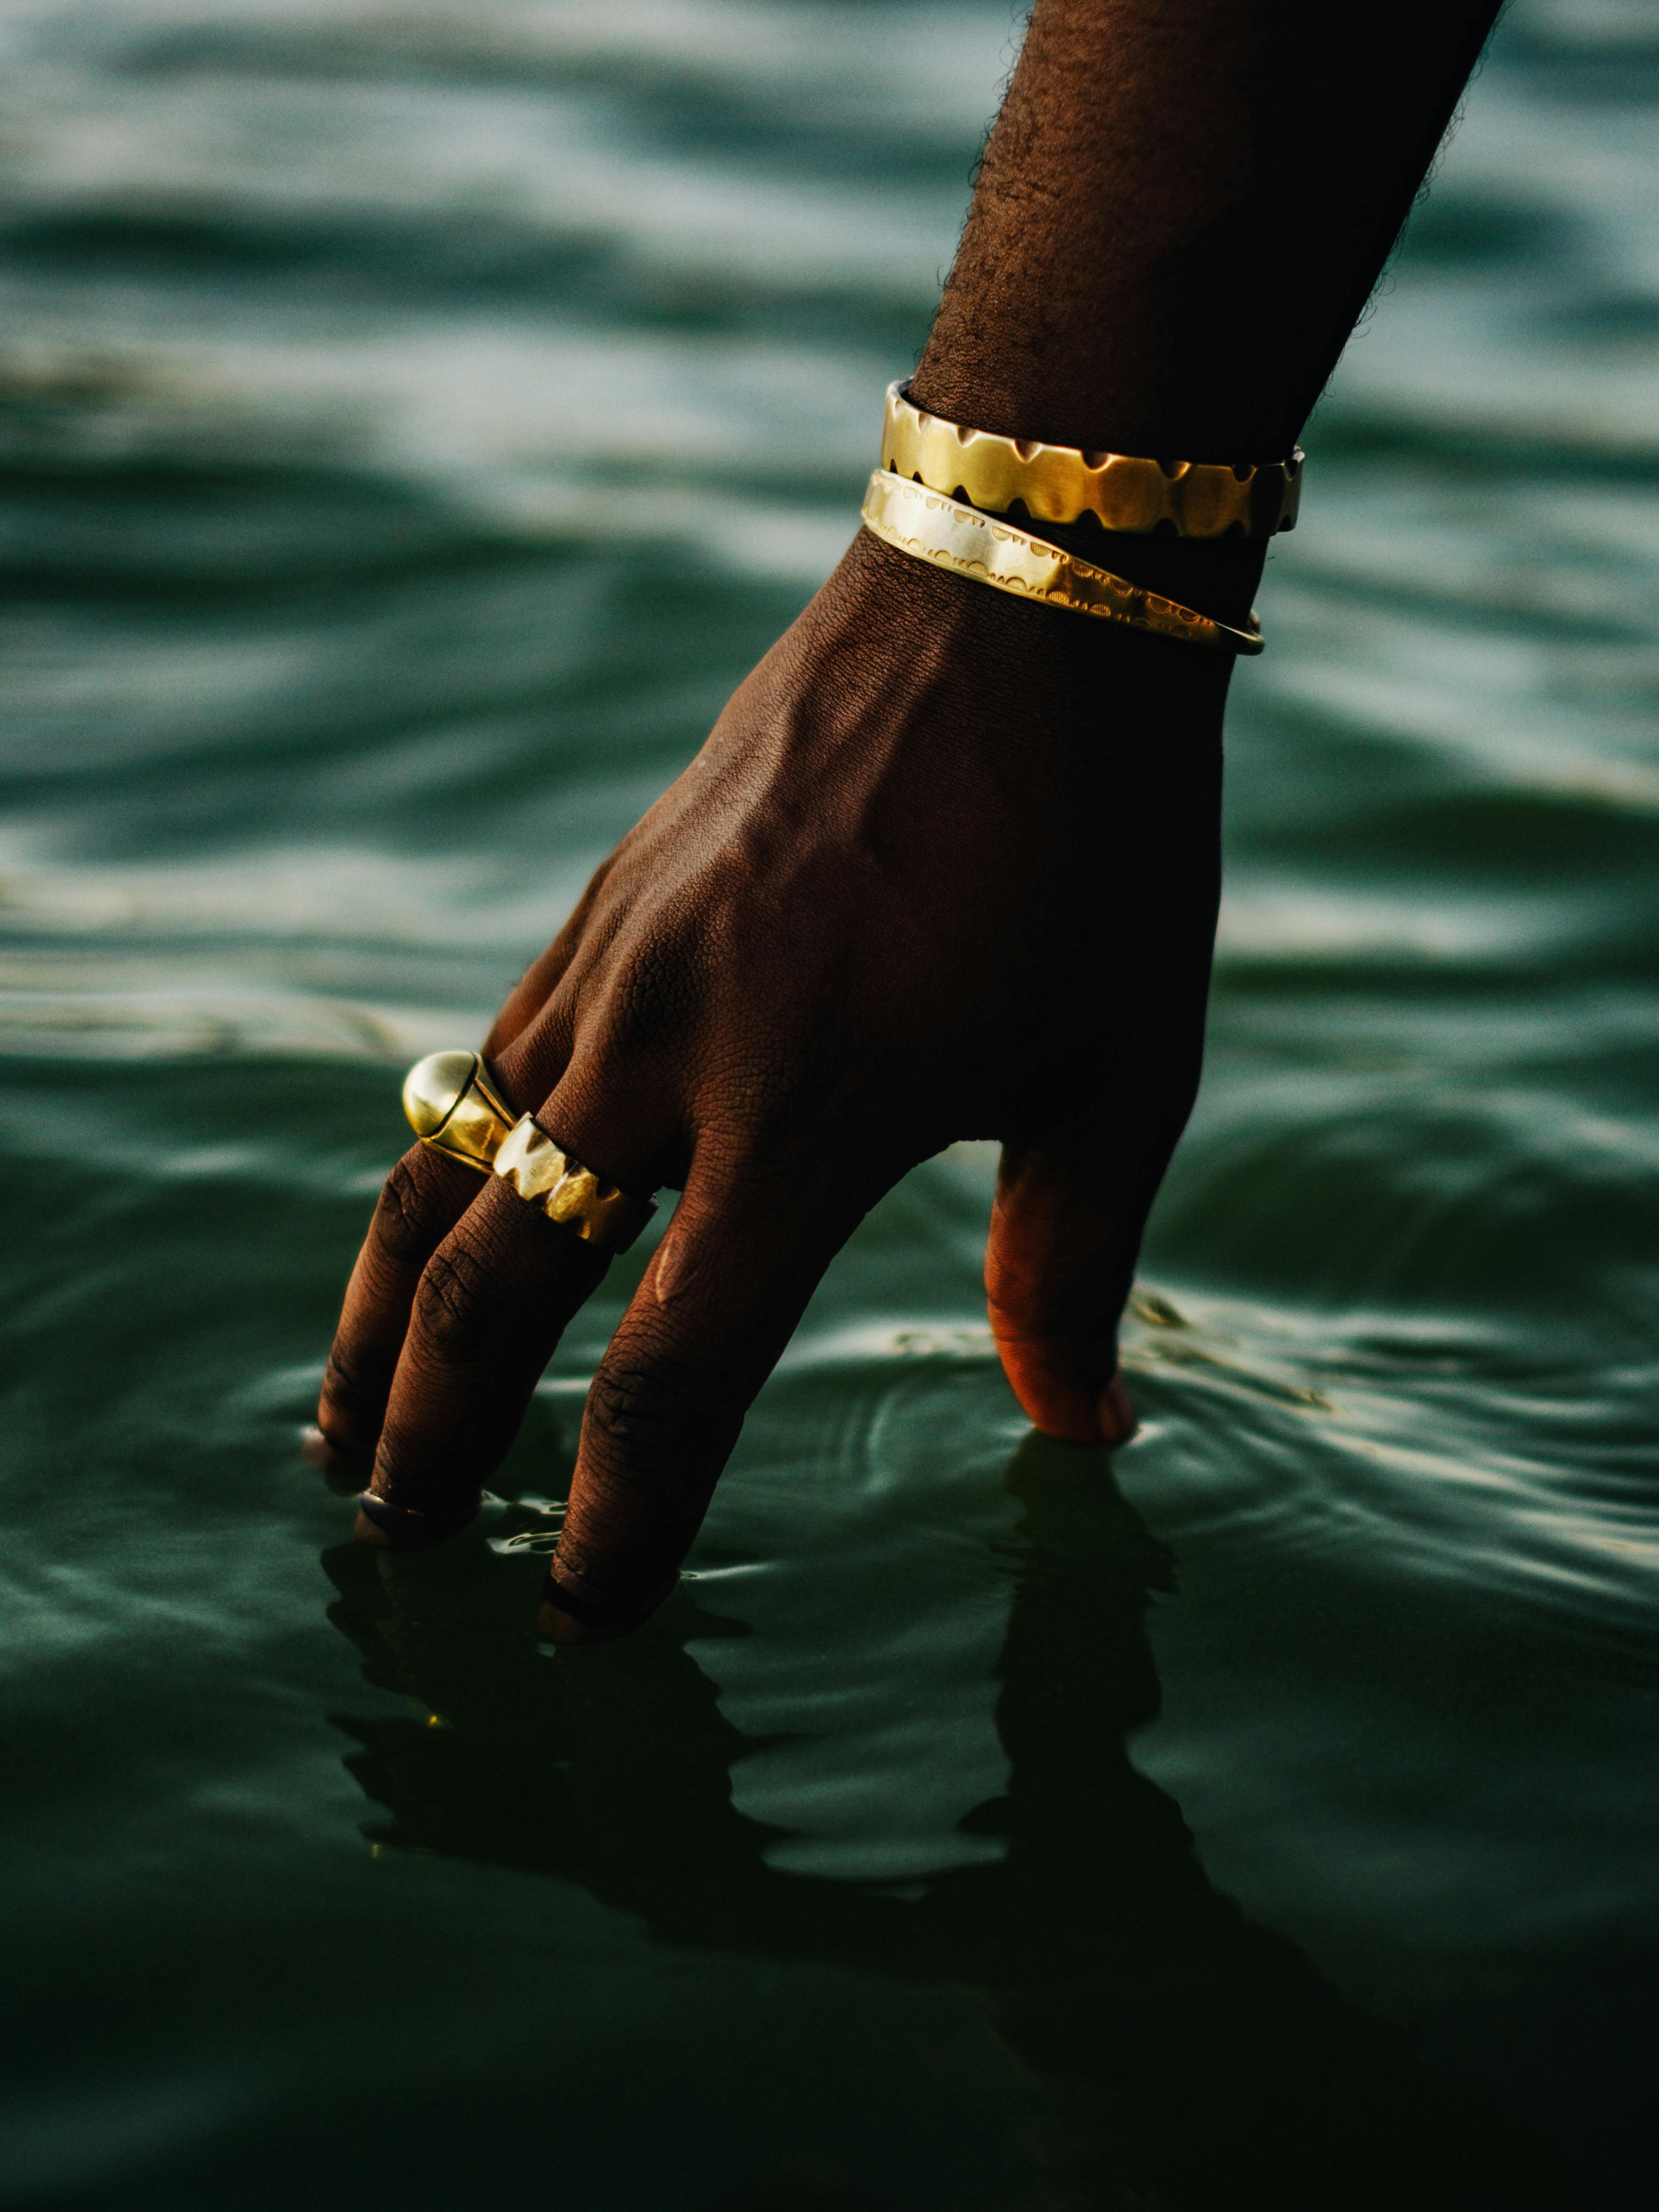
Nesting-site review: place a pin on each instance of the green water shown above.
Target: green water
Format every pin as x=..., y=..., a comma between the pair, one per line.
x=1266, y=1819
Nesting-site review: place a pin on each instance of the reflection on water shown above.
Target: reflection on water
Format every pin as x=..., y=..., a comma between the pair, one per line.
x=415, y=418
x=1191, y=2058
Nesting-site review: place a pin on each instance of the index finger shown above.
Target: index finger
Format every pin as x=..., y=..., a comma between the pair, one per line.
x=425, y=1195
x=421, y=1199
x=490, y=1306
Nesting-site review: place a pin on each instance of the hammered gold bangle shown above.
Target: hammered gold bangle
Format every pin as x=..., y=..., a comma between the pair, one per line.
x=942, y=530
x=1061, y=483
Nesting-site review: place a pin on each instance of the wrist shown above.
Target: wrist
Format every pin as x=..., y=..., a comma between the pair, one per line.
x=1215, y=576
x=908, y=616
x=1113, y=398
x=1196, y=538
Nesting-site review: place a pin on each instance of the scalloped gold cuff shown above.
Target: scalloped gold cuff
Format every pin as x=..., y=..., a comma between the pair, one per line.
x=948, y=535
x=1061, y=483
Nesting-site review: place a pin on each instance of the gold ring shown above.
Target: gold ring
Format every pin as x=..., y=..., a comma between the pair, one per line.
x=453, y=1106
x=546, y=1176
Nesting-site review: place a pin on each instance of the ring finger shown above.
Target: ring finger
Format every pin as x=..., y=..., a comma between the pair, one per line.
x=486, y=1315
x=427, y=1192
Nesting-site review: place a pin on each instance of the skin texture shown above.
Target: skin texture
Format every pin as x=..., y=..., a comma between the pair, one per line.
x=948, y=864
x=869, y=919
x=1181, y=212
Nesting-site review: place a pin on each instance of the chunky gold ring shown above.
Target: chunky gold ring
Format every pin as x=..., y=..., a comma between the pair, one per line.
x=546, y=1176
x=453, y=1106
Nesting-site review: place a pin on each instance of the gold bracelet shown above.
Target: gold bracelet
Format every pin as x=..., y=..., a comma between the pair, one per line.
x=1059, y=483
x=944, y=532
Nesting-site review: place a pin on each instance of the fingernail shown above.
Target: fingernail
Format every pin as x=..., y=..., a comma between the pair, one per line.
x=370, y=1532
x=1117, y=1414
x=407, y=1527
x=342, y=1472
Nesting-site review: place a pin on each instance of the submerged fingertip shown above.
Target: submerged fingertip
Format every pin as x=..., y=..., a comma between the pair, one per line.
x=1056, y=1400
x=1074, y=1412
x=391, y=1527
x=317, y=1451
x=342, y=1472
x=1116, y=1412
x=370, y=1532
x=557, y=1626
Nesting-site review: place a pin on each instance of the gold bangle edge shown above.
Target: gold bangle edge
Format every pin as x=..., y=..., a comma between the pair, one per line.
x=1154, y=615
x=1129, y=494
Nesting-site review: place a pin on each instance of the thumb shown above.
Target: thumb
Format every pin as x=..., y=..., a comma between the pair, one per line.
x=1066, y=1228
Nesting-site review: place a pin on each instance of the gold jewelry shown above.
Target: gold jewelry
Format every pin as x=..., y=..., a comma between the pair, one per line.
x=453, y=1106
x=951, y=536
x=1059, y=483
x=545, y=1174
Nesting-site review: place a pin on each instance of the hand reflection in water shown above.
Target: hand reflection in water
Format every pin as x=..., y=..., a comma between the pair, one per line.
x=1197, y=2061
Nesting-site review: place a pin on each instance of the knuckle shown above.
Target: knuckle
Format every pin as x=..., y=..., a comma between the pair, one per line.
x=356, y=1382
x=459, y=1309
x=651, y=1419
x=647, y=1000
x=399, y=1230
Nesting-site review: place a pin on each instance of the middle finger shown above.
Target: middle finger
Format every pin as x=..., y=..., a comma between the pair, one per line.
x=488, y=1313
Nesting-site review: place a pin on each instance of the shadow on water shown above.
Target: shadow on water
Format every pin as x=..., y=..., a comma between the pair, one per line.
x=1193, y=2060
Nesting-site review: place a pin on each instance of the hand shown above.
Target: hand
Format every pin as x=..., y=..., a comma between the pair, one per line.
x=946, y=867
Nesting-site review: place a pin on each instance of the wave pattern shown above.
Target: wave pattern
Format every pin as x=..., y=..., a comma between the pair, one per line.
x=413, y=422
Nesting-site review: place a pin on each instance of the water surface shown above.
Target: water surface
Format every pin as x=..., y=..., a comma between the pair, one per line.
x=416, y=419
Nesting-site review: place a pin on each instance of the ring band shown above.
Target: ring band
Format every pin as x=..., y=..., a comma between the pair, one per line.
x=546, y=1176
x=453, y=1106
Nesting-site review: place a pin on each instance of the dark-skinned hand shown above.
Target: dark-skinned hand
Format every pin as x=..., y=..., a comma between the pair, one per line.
x=946, y=867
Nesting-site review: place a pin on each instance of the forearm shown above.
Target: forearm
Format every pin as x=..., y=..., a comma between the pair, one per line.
x=948, y=864
x=1184, y=208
